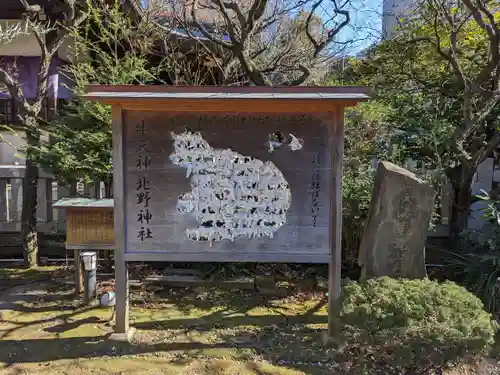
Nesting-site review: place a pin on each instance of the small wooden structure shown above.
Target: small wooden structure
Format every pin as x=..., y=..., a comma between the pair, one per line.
x=89, y=226
x=248, y=203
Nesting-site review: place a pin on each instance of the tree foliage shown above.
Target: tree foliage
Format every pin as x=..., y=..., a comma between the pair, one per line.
x=367, y=139
x=81, y=136
x=123, y=51
x=440, y=75
x=50, y=36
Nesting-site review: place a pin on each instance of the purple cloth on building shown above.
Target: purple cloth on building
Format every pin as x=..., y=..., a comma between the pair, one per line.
x=25, y=69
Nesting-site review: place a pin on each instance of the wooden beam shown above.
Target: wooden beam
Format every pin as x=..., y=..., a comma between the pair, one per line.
x=121, y=270
x=223, y=257
x=336, y=141
x=17, y=171
x=49, y=216
x=107, y=247
x=226, y=89
x=3, y=201
x=78, y=271
x=16, y=199
x=225, y=105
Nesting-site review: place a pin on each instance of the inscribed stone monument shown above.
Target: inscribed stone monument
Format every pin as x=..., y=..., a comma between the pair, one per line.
x=393, y=242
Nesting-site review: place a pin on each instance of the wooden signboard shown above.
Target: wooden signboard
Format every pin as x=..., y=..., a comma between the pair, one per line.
x=217, y=174
x=94, y=228
x=89, y=226
x=89, y=223
x=222, y=209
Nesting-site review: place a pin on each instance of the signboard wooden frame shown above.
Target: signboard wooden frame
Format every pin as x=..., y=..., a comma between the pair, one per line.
x=330, y=102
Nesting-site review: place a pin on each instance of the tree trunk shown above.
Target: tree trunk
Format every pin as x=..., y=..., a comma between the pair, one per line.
x=72, y=188
x=461, y=178
x=29, y=235
x=108, y=189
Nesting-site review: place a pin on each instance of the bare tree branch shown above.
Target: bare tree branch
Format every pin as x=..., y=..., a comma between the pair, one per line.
x=237, y=10
x=203, y=29
x=14, y=89
x=267, y=40
x=320, y=46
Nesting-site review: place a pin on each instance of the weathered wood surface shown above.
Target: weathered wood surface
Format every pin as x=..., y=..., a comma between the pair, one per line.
x=336, y=141
x=216, y=99
x=89, y=226
x=307, y=171
x=121, y=267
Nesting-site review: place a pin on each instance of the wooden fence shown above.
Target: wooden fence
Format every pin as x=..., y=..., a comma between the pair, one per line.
x=50, y=220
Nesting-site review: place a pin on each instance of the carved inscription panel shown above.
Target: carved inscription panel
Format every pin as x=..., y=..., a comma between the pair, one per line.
x=88, y=226
x=255, y=185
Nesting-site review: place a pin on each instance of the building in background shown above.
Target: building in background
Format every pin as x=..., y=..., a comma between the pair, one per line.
x=392, y=12
x=21, y=58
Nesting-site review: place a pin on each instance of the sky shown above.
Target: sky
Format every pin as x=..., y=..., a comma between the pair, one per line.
x=365, y=27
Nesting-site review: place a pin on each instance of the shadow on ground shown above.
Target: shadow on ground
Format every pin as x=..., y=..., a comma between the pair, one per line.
x=44, y=329
x=11, y=277
x=44, y=324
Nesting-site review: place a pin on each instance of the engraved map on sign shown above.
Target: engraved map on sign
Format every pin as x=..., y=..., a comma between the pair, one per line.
x=232, y=195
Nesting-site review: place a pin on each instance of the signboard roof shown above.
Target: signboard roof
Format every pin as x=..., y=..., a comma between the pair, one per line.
x=275, y=99
x=229, y=95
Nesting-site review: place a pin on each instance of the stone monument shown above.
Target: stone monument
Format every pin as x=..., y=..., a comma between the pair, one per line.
x=393, y=242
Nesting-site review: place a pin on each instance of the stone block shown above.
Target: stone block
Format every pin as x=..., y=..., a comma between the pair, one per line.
x=246, y=283
x=180, y=272
x=273, y=292
x=265, y=281
x=123, y=337
x=306, y=284
x=178, y=281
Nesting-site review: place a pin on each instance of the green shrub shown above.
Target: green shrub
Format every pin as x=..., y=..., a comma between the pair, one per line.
x=411, y=326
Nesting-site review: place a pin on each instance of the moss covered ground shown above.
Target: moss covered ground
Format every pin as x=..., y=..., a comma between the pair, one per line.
x=44, y=329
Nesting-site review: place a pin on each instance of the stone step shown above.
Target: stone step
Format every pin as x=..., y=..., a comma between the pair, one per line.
x=180, y=281
x=244, y=283
x=135, y=283
x=180, y=271
x=273, y=292
x=195, y=281
x=265, y=282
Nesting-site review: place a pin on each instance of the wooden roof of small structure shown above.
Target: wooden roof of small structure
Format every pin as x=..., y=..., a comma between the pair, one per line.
x=82, y=202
